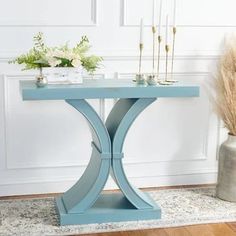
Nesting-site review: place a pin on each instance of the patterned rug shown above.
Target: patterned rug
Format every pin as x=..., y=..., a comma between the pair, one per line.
x=34, y=217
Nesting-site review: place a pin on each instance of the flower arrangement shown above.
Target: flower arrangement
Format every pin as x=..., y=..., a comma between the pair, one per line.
x=224, y=87
x=41, y=56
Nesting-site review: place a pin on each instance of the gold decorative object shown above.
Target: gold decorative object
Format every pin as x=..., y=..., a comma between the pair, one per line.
x=140, y=57
x=166, y=81
x=167, y=49
x=158, y=55
x=167, y=54
x=173, y=51
x=140, y=78
x=154, y=77
x=173, y=56
x=153, y=48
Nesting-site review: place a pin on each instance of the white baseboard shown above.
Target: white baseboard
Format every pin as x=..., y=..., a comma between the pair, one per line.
x=39, y=187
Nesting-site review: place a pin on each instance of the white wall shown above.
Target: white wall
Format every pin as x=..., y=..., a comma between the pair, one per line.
x=44, y=145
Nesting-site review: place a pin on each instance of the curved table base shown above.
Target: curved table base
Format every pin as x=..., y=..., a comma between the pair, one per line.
x=83, y=203
x=118, y=123
x=108, y=208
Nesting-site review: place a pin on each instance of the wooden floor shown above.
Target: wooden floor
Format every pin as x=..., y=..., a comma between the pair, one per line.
x=226, y=229
x=223, y=229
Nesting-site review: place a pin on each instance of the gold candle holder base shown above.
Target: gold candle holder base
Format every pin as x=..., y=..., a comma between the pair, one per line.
x=172, y=80
x=165, y=82
x=158, y=79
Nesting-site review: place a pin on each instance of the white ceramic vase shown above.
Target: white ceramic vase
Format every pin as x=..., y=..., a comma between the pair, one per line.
x=226, y=182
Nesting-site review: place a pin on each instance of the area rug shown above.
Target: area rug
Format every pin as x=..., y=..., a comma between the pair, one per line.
x=188, y=206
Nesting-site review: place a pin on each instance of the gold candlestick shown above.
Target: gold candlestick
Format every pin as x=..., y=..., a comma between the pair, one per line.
x=158, y=55
x=173, y=51
x=173, y=56
x=167, y=51
x=151, y=80
x=153, y=48
x=140, y=78
x=166, y=81
x=140, y=56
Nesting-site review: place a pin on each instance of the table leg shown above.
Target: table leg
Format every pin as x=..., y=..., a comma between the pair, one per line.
x=120, y=119
x=79, y=198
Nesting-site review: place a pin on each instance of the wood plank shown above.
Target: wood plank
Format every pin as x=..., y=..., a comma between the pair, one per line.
x=153, y=232
x=232, y=225
x=132, y=233
x=177, y=231
x=148, y=232
x=199, y=230
x=221, y=230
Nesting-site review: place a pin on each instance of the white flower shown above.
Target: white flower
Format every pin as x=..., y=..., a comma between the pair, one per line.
x=53, y=62
x=54, y=57
x=69, y=55
x=76, y=62
x=59, y=54
x=51, y=58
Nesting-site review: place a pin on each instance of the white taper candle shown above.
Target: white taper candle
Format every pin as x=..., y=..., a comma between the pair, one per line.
x=153, y=12
x=141, y=31
x=160, y=17
x=174, y=14
x=167, y=29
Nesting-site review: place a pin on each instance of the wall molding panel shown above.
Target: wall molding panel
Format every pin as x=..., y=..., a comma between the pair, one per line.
x=32, y=17
x=29, y=165
x=187, y=13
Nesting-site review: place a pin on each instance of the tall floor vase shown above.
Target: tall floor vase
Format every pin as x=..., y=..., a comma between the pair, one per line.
x=226, y=183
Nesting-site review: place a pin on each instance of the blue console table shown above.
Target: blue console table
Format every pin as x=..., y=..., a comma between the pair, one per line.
x=84, y=203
